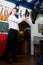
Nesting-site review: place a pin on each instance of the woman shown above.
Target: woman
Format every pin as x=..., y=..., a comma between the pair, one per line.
x=13, y=35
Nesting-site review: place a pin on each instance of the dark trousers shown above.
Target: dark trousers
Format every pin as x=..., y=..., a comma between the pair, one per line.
x=11, y=44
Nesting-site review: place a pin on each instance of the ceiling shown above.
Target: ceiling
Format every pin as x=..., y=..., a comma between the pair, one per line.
x=25, y=3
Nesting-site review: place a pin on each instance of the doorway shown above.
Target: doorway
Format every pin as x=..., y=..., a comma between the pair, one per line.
x=24, y=44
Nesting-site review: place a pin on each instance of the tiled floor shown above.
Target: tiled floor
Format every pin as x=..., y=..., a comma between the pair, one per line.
x=25, y=60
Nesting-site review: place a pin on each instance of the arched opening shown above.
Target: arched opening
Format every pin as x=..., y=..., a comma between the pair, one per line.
x=24, y=38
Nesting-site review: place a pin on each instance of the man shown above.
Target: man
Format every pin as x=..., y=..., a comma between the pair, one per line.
x=13, y=35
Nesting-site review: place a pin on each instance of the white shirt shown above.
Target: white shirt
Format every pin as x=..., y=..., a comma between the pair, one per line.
x=13, y=22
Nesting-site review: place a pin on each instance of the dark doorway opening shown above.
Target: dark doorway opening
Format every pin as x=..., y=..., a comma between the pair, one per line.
x=24, y=44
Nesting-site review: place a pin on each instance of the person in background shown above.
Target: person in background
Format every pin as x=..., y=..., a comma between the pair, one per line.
x=13, y=35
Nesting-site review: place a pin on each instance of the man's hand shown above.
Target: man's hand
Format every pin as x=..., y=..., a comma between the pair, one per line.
x=24, y=19
x=27, y=17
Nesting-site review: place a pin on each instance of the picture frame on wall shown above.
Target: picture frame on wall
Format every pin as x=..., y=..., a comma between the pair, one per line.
x=40, y=28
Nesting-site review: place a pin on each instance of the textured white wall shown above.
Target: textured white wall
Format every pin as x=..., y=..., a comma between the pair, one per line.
x=34, y=31
x=8, y=4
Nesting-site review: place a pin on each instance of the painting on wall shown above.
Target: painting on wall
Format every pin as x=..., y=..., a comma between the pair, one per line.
x=4, y=27
x=40, y=28
x=4, y=12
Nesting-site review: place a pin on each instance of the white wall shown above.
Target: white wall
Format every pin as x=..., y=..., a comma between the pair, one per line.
x=23, y=11
x=35, y=26
x=34, y=31
x=9, y=6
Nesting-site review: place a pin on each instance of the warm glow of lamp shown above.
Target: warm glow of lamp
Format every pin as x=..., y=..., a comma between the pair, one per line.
x=21, y=33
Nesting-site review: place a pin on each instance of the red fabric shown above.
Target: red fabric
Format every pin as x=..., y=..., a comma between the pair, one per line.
x=3, y=42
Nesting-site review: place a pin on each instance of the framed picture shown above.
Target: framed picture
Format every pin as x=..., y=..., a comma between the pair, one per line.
x=40, y=28
x=4, y=27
